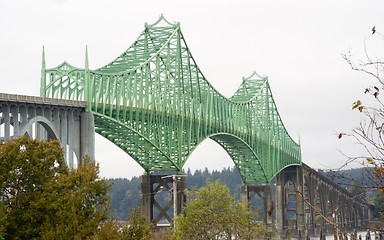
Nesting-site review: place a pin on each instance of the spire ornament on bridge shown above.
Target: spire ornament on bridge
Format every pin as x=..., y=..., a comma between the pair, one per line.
x=154, y=103
x=43, y=77
x=87, y=81
x=162, y=18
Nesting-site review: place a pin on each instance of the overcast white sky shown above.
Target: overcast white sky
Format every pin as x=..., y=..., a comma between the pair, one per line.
x=297, y=44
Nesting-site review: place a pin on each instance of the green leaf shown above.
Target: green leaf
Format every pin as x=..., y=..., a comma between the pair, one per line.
x=356, y=104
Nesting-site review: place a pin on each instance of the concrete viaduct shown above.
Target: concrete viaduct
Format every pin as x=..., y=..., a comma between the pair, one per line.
x=66, y=120
x=49, y=119
x=302, y=195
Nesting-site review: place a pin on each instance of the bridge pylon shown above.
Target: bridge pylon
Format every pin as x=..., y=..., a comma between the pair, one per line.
x=168, y=187
x=264, y=191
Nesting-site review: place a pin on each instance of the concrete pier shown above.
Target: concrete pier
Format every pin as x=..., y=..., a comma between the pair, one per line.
x=265, y=194
x=154, y=184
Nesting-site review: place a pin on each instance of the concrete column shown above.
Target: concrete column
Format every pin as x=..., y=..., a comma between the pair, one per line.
x=64, y=134
x=31, y=114
x=370, y=215
x=87, y=138
x=48, y=116
x=7, y=121
x=244, y=195
x=312, y=199
x=360, y=215
x=146, y=197
x=15, y=121
x=268, y=203
x=340, y=211
x=349, y=214
x=56, y=120
x=76, y=137
x=279, y=202
x=23, y=117
x=300, y=202
x=245, y=198
x=70, y=138
x=181, y=197
x=39, y=128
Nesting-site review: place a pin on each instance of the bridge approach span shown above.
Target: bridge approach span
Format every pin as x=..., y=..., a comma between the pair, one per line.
x=49, y=119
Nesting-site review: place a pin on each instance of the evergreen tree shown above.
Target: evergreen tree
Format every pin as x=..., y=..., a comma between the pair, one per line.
x=357, y=191
x=379, y=205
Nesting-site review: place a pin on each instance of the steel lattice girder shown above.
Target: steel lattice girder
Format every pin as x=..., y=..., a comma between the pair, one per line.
x=155, y=104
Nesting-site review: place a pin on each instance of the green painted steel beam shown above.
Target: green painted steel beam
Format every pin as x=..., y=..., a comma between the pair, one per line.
x=154, y=103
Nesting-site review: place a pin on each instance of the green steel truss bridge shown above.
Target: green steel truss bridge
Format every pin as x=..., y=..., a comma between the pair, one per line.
x=154, y=103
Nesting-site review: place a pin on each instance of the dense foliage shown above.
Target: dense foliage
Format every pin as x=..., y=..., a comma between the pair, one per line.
x=26, y=166
x=212, y=213
x=378, y=205
x=135, y=228
x=76, y=203
x=125, y=195
x=40, y=198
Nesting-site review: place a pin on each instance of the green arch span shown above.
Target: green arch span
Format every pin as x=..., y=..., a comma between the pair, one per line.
x=155, y=103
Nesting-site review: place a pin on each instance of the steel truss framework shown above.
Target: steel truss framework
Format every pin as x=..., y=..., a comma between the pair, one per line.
x=155, y=104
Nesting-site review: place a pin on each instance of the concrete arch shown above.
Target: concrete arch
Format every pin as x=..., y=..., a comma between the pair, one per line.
x=52, y=134
x=291, y=199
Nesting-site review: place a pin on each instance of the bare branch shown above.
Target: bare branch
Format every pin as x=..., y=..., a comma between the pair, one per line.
x=317, y=210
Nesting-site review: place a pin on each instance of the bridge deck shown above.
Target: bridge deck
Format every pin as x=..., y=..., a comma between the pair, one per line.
x=41, y=100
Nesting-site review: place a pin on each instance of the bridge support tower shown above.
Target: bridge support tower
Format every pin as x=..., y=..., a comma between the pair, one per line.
x=288, y=201
x=247, y=193
x=154, y=185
